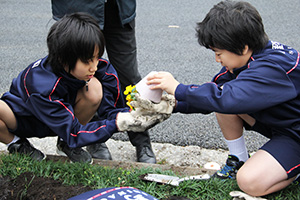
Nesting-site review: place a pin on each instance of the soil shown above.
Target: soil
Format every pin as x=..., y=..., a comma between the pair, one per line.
x=27, y=186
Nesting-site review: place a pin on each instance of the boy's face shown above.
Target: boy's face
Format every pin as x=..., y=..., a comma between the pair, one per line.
x=231, y=60
x=85, y=71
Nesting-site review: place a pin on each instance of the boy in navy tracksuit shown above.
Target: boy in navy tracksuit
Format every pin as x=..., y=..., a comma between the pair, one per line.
x=117, y=20
x=258, y=88
x=58, y=95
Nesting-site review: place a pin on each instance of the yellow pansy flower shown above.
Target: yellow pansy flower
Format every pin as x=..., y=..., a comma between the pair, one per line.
x=130, y=92
x=128, y=89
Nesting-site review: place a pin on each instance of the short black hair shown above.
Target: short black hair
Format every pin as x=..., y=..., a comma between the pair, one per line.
x=73, y=37
x=231, y=25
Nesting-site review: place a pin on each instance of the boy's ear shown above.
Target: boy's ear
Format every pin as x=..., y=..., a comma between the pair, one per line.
x=245, y=50
x=67, y=69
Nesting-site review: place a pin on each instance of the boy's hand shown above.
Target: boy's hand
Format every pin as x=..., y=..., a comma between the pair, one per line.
x=139, y=120
x=165, y=106
x=164, y=81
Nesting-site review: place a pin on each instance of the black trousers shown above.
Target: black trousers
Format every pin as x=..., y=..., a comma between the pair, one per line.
x=122, y=53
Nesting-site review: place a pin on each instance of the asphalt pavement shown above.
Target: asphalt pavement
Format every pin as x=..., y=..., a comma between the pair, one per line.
x=165, y=32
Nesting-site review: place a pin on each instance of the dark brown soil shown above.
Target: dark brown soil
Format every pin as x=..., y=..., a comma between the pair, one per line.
x=27, y=186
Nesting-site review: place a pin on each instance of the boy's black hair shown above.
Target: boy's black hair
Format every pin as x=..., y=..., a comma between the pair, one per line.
x=231, y=25
x=73, y=37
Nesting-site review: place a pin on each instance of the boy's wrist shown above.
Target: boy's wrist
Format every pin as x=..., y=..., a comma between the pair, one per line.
x=176, y=88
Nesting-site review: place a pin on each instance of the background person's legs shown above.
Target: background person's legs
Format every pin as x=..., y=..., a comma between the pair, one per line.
x=122, y=53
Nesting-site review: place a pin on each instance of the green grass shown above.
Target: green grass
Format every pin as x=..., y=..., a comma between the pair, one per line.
x=102, y=177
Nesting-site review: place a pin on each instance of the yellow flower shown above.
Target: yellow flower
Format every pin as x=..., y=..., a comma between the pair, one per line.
x=128, y=97
x=130, y=106
x=129, y=89
x=130, y=92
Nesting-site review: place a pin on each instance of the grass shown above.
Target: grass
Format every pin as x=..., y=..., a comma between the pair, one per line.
x=102, y=177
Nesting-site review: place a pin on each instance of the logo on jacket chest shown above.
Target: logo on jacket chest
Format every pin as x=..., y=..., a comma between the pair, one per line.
x=277, y=45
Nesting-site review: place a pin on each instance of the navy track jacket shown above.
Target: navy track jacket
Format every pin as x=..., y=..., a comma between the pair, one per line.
x=38, y=92
x=267, y=88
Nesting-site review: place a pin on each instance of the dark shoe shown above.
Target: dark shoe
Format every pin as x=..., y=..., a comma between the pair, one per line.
x=99, y=151
x=23, y=146
x=74, y=154
x=230, y=169
x=145, y=154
